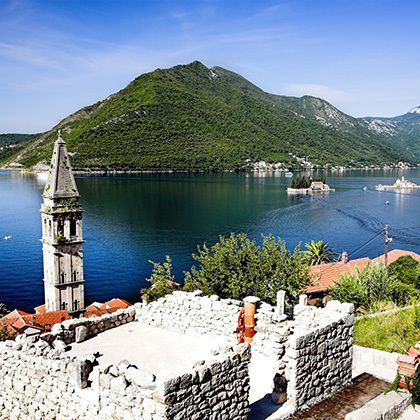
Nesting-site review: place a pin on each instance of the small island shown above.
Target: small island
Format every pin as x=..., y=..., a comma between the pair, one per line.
x=399, y=184
x=308, y=185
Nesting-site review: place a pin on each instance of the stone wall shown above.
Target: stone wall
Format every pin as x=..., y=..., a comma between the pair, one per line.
x=76, y=330
x=192, y=312
x=272, y=331
x=319, y=354
x=216, y=389
x=40, y=381
x=311, y=354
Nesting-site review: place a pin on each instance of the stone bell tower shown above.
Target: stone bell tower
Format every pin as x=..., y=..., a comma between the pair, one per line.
x=62, y=240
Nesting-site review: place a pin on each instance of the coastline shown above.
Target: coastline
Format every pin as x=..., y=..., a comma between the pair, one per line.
x=115, y=172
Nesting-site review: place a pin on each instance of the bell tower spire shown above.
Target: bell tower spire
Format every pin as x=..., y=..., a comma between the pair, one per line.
x=62, y=238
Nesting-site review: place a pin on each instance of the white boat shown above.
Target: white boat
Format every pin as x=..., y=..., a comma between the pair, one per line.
x=399, y=184
x=288, y=174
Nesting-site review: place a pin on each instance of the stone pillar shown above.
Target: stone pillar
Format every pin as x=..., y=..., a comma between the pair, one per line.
x=281, y=294
x=250, y=307
x=303, y=299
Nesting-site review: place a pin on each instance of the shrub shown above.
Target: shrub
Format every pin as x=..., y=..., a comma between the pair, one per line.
x=405, y=293
x=349, y=289
x=406, y=270
x=365, y=288
x=236, y=267
x=162, y=281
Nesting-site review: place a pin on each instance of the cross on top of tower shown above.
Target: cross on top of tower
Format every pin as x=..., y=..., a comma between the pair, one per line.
x=60, y=182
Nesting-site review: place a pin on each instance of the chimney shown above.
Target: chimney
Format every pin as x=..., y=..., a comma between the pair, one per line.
x=345, y=257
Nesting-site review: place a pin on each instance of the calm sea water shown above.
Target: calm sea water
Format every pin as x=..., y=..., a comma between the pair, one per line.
x=130, y=220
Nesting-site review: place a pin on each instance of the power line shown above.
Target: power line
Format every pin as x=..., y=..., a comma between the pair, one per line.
x=367, y=242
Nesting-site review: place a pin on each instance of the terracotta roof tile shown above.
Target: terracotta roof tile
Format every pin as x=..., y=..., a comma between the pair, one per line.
x=395, y=254
x=325, y=275
x=40, y=309
x=117, y=303
x=18, y=319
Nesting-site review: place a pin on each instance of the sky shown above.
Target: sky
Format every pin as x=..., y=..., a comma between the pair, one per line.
x=58, y=56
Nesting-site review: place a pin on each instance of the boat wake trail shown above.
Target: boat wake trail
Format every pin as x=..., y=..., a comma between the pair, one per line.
x=365, y=220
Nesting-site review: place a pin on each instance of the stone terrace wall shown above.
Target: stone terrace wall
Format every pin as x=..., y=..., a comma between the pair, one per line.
x=76, y=330
x=39, y=382
x=319, y=356
x=192, y=312
x=216, y=389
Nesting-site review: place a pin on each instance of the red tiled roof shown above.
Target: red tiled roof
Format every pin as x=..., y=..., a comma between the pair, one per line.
x=15, y=314
x=117, y=303
x=40, y=309
x=325, y=275
x=18, y=319
x=98, y=308
x=395, y=254
x=47, y=319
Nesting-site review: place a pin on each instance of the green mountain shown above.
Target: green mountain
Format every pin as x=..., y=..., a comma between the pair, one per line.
x=403, y=131
x=190, y=117
x=12, y=139
x=11, y=144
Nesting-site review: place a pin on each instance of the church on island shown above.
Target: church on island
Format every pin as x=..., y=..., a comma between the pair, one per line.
x=62, y=247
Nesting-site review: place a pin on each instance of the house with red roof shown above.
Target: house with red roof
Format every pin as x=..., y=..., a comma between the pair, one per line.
x=99, y=308
x=19, y=322
x=394, y=255
x=324, y=276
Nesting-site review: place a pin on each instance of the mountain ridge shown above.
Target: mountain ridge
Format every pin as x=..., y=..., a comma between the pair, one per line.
x=191, y=117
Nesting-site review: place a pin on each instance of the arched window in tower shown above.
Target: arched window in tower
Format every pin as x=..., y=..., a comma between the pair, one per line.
x=60, y=226
x=73, y=230
x=62, y=276
x=74, y=275
x=63, y=306
x=75, y=305
x=49, y=228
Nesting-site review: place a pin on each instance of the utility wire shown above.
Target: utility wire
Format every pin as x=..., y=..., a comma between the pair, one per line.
x=357, y=249
x=367, y=242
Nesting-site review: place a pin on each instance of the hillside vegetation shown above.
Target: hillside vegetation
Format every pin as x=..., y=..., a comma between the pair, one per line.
x=191, y=117
x=11, y=144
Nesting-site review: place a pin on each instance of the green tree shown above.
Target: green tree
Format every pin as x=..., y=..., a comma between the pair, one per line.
x=407, y=270
x=318, y=252
x=162, y=280
x=236, y=267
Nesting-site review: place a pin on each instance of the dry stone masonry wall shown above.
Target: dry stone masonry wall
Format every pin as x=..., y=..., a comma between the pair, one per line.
x=319, y=356
x=312, y=356
x=194, y=313
x=77, y=330
x=41, y=382
x=217, y=389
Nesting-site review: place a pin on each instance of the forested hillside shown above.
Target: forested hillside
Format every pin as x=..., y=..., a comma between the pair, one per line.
x=190, y=117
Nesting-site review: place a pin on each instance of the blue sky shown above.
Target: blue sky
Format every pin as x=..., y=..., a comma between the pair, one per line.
x=57, y=56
